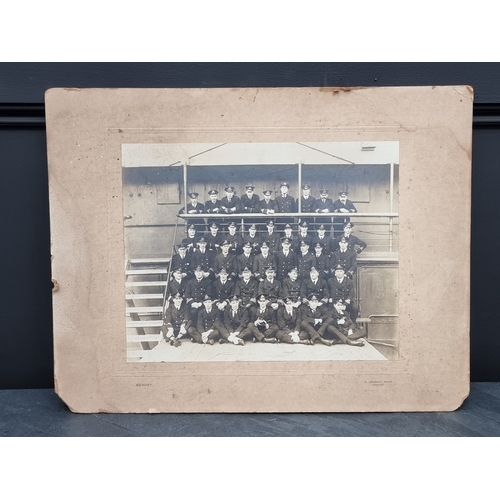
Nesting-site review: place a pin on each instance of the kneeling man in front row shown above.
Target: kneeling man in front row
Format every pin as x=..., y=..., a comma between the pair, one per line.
x=176, y=320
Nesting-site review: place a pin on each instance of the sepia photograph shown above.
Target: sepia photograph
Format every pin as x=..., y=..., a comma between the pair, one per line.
x=279, y=251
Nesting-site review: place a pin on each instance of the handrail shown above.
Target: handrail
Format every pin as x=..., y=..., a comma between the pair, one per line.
x=285, y=214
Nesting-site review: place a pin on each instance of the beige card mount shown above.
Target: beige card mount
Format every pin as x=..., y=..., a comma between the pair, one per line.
x=123, y=167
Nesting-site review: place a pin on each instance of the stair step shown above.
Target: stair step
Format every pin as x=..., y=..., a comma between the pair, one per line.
x=144, y=310
x=145, y=283
x=150, y=260
x=153, y=323
x=143, y=296
x=134, y=272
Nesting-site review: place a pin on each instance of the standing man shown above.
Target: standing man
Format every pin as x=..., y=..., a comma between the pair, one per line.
x=262, y=261
x=196, y=290
x=250, y=204
x=190, y=239
x=204, y=258
x=353, y=242
x=234, y=238
x=225, y=260
x=183, y=260
x=342, y=206
x=267, y=206
x=193, y=207
x=286, y=258
x=245, y=259
x=246, y=288
x=341, y=287
x=213, y=206
x=272, y=237
x=323, y=206
x=230, y=204
x=285, y=203
x=344, y=257
x=306, y=204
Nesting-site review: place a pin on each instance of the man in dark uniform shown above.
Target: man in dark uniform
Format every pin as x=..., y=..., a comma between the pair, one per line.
x=233, y=328
x=272, y=237
x=323, y=206
x=267, y=206
x=177, y=283
x=204, y=258
x=250, y=204
x=285, y=204
x=205, y=331
x=287, y=233
x=225, y=260
x=263, y=321
x=342, y=206
x=306, y=204
x=286, y=258
x=193, y=207
x=196, y=290
x=182, y=260
x=341, y=327
x=230, y=204
x=223, y=289
x=213, y=206
x=321, y=237
x=253, y=238
x=322, y=261
x=353, y=242
x=190, y=239
x=262, y=261
x=303, y=235
x=344, y=257
x=314, y=285
x=305, y=260
x=245, y=259
x=246, y=288
x=176, y=321
x=270, y=287
x=290, y=287
x=234, y=238
x=214, y=237
x=289, y=320
x=341, y=287
x=315, y=320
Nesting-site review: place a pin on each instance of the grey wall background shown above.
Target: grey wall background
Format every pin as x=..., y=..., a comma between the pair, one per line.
x=26, y=321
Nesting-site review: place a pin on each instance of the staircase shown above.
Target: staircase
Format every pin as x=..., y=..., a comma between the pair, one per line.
x=145, y=285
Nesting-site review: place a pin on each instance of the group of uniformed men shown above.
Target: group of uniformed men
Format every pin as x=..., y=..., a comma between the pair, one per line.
x=263, y=286
x=250, y=203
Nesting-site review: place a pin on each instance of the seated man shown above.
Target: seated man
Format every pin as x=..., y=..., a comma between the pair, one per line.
x=267, y=206
x=263, y=321
x=250, y=204
x=315, y=320
x=342, y=206
x=233, y=327
x=246, y=288
x=230, y=204
x=205, y=331
x=341, y=327
x=306, y=203
x=176, y=321
x=341, y=287
x=213, y=206
x=289, y=320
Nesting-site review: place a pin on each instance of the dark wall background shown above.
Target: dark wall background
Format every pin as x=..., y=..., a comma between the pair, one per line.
x=26, y=321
